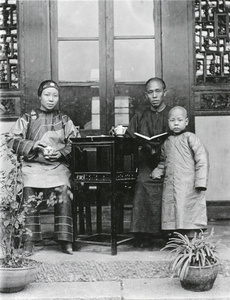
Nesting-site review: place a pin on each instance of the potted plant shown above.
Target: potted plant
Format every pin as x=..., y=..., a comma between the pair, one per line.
x=16, y=270
x=194, y=260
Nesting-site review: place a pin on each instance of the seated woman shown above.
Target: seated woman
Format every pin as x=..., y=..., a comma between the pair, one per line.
x=42, y=137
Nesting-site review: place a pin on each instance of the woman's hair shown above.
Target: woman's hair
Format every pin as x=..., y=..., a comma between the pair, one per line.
x=46, y=84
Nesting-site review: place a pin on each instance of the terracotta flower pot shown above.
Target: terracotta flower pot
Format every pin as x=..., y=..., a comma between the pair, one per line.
x=16, y=279
x=200, y=279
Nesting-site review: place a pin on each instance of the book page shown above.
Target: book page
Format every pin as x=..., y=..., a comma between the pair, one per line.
x=149, y=138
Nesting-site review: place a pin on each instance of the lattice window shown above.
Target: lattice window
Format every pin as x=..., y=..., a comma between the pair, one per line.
x=212, y=41
x=8, y=45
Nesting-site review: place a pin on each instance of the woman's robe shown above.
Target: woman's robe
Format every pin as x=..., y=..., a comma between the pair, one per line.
x=51, y=129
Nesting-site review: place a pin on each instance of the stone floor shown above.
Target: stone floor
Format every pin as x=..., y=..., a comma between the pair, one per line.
x=126, y=289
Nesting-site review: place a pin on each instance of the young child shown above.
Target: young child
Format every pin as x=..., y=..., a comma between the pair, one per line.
x=184, y=162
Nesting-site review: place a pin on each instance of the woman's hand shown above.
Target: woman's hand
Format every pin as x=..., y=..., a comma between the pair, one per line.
x=39, y=145
x=54, y=156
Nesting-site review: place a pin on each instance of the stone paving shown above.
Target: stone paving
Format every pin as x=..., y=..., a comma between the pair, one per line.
x=125, y=289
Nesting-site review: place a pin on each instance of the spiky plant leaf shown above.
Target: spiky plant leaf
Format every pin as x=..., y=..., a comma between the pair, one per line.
x=199, y=251
x=184, y=270
x=179, y=263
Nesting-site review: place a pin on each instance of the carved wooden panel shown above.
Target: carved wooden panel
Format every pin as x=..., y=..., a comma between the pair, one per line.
x=9, y=107
x=8, y=45
x=212, y=41
x=216, y=100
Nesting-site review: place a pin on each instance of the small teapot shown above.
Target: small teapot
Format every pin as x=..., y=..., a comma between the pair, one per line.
x=119, y=130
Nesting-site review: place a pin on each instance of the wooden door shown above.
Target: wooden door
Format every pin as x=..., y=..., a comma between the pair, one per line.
x=102, y=54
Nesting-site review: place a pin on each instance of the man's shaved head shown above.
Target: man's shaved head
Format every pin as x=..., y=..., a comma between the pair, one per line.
x=161, y=81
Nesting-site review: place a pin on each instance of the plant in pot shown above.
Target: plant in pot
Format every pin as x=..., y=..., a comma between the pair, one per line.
x=194, y=260
x=16, y=270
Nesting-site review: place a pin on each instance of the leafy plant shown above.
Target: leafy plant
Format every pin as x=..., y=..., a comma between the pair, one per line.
x=12, y=211
x=199, y=251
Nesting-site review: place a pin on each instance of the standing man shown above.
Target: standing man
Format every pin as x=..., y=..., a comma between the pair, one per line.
x=146, y=212
x=42, y=138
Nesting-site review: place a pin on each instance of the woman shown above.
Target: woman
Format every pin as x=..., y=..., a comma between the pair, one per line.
x=42, y=137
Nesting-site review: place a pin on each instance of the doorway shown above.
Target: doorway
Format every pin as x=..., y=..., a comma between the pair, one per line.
x=102, y=54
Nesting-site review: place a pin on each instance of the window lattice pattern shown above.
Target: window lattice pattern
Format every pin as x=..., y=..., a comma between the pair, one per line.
x=8, y=45
x=212, y=41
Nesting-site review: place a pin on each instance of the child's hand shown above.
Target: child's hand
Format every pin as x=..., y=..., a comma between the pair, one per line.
x=156, y=179
x=201, y=188
x=155, y=176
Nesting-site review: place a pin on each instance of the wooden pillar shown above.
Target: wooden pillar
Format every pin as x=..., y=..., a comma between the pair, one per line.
x=35, y=45
x=177, y=51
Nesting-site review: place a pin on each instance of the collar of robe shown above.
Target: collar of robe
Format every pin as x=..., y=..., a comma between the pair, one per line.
x=172, y=133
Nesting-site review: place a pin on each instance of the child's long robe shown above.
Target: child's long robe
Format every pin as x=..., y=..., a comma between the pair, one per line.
x=185, y=164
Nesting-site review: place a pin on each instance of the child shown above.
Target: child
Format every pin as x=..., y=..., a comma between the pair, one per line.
x=184, y=162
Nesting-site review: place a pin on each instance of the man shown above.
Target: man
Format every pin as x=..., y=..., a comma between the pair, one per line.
x=151, y=121
x=42, y=137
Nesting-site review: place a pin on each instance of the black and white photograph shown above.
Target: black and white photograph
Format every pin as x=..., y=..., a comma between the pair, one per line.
x=114, y=149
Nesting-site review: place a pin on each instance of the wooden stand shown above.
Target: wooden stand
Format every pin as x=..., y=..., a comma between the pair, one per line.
x=99, y=163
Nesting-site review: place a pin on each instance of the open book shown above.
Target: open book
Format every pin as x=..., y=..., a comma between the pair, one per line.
x=150, y=138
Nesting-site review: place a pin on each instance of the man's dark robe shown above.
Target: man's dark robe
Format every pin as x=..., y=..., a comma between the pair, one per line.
x=146, y=212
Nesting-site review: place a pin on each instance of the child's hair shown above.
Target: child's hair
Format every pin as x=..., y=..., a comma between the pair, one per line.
x=179, y=108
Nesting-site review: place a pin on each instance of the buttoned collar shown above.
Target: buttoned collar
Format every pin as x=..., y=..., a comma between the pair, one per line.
x=159, y=109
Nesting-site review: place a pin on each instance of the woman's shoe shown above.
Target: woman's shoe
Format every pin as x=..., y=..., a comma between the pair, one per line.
x=67, y=248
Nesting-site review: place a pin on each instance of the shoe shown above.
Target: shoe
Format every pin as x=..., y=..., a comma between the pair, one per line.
x=141, y=243
x=67, y=248
x=28, y=248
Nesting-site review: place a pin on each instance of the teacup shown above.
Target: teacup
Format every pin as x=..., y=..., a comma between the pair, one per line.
x=119, y=130
x=47, y=151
